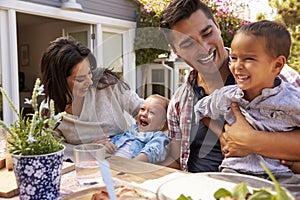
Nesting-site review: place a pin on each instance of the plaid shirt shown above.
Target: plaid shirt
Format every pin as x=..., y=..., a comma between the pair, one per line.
x=180, y=111
x=288, y=74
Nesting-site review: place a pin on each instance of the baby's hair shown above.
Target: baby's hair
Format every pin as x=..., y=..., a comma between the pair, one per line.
x=162, y=98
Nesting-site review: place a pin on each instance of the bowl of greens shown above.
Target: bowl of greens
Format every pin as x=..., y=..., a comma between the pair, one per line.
x=219, y=186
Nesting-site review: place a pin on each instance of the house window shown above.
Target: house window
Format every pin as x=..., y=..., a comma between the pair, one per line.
x=158, y=80
x=113, y=51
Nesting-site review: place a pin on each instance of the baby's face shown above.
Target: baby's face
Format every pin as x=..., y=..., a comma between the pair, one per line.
x=152, y=115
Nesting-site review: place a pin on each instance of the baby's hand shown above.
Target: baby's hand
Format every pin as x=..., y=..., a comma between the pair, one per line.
x=110, y=148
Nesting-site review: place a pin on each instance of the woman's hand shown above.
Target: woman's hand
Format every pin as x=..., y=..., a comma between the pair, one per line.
x=110, y=148
x=293, y=165
x=236, y=140
x=101, y=140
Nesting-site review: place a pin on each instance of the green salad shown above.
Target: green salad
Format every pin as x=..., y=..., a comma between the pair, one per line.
x=241, y=192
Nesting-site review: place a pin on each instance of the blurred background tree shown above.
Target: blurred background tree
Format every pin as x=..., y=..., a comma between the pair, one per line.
x=227, y=14
x=149, y=16
x=288, y=11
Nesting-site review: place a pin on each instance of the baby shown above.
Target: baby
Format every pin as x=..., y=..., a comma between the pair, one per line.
x=146, y=140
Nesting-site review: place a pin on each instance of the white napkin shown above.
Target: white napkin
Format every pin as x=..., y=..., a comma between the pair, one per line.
x=153, y=184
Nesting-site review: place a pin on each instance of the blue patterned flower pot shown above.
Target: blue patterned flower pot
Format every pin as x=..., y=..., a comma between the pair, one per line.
x=38, y=177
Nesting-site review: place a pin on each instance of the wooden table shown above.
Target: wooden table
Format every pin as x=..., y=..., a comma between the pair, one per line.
x=122, y=169
x=131, y=170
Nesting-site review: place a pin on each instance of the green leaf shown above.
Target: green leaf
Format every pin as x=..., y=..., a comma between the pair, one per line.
x=182, y=197
x=261, y=194
x=280, y=192
x=240, y=191
x=222, y=193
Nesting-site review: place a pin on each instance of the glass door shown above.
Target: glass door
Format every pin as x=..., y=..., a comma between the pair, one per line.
x=83, y=34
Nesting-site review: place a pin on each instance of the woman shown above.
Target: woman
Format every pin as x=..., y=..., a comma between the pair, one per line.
x=95, y=99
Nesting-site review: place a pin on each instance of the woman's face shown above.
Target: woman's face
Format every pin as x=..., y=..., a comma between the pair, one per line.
x=81, y=79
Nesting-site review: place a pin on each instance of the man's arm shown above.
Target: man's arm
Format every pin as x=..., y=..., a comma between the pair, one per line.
x=173, y=158
x=241, y=139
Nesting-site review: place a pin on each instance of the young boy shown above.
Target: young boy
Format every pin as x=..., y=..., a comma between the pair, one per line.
x=146, y=140
x=259, y=52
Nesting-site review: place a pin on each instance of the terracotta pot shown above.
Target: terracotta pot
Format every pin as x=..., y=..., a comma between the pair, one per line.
x=38, y=176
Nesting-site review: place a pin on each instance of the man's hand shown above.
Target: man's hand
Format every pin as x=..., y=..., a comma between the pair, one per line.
x=293, y=165
x=236, y=140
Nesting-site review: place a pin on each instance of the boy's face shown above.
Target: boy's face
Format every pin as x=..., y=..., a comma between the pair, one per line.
x=197, y=40
x=152, y=115
x=252, y=67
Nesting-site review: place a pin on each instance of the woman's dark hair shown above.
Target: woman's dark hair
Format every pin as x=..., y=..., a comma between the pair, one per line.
x=178, y=10
x=57, y=63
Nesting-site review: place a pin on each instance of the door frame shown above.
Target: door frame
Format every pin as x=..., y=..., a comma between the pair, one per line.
x=8, y=40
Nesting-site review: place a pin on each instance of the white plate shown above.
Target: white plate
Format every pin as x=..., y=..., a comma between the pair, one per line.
x=204, y=185
x=88, y=193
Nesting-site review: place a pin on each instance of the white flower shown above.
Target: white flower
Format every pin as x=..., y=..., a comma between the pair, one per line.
x=28, y=101
x=40, y=90
x=31, y=139
x=28, y=170
x=44, y=105
x=30, y=190
x=57, y=117
x=38, y=173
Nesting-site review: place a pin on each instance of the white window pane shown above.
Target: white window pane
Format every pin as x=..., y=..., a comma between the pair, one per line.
x=112, y=51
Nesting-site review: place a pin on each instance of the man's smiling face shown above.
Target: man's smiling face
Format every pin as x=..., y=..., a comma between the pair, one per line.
x=197, y=40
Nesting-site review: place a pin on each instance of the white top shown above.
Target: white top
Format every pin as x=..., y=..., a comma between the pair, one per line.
x=103, y=113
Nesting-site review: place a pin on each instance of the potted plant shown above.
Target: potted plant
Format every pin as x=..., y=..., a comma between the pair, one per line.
x=37, y=153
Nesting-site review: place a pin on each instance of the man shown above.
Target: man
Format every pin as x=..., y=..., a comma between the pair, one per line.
x=194, y=35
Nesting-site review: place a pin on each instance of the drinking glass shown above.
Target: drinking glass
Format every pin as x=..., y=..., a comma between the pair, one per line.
x=87, y=158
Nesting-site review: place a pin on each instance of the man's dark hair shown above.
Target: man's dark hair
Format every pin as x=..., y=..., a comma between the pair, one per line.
x=277, y=37
x=181, y=9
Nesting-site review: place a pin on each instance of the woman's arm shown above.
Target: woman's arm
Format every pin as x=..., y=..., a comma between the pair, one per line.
x=241, y=139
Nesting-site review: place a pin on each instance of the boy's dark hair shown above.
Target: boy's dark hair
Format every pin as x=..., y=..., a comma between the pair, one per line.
x=277, y=37
x=178, y=10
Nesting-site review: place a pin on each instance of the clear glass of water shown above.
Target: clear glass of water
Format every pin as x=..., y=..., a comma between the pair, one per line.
x=87, y=158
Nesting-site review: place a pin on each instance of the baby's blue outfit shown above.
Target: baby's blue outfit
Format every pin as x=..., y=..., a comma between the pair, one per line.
x=151, y=143
x=276, y=109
